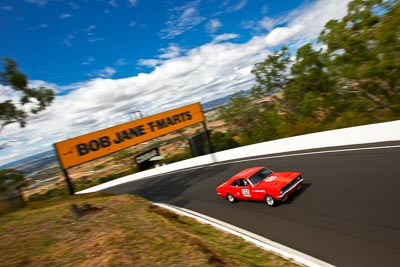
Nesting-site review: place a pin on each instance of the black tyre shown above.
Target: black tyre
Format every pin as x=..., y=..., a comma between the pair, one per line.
x=270, y=201
x=230, y=198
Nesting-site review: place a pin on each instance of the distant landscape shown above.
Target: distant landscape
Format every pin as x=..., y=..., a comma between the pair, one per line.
x=34, y=162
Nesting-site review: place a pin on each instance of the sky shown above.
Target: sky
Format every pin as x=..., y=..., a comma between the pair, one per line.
x=105, y=59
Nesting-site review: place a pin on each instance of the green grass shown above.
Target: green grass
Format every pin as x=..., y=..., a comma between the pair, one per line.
x=120, y=230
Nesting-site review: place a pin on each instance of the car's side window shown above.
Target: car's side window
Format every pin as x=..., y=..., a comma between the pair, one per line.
x=240, y=182
x=236, y=182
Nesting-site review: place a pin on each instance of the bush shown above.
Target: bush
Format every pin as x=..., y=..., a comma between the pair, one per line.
x=223, y=141
x=118, y=156
x=55, y=192
x=179, y=157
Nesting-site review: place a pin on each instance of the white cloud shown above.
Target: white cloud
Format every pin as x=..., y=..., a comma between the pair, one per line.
x=37, y=2
x=74, y=6
x=173, y=50
x=7, y=8
x=264, y=9
x=213, y=25
x=90, y=28
x=315, y=16
x=113, y=3
x=93, y=39
x=306, y=22
x=133, y=2
x=107, y=72
x=267, y=23
x=40, y=27
x=121, y=62
x=88, y=61
x=64, y=16
x=7, y=93
x=180, y=77
x=225, y=37
x=181, y=19
x=282, y=34
x=68, y=40
x=134, y=23
x=149, y=62
x=237, y=6
x=40, y=83
x=249, y=24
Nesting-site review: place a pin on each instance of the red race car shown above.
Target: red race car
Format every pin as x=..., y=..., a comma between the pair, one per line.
x=262, y=184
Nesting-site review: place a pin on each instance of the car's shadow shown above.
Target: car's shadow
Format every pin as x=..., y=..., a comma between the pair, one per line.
x=296, y=194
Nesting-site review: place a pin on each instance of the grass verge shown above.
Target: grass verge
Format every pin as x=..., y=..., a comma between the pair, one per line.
x=122, y=230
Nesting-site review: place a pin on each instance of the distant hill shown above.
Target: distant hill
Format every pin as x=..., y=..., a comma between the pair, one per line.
x=209, y=106
x=214, y=104
x=34, y=162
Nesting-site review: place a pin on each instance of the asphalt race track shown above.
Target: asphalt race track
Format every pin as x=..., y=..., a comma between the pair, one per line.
x=348, y=213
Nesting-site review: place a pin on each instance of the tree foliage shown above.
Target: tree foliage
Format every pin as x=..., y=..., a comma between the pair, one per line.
x=10, y=179
x=271, y=74
x=364, y=54
x=352, y=78
x=252, y=123
x=223, y=141
x=37, y=98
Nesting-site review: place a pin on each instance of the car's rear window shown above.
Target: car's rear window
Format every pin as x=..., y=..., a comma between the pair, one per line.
x=259, y=176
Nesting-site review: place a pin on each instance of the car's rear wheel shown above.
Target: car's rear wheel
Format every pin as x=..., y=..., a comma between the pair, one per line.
x=270, y=200
x=230, y=198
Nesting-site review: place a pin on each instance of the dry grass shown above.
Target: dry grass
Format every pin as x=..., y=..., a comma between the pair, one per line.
x=121, y=231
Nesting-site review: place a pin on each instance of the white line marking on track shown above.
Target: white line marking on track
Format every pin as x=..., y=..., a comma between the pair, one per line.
x=282, y=156
x=315, y=152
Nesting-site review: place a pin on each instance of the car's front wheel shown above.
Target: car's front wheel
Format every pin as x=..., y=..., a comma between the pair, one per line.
x=230, y=198
x=270, y=200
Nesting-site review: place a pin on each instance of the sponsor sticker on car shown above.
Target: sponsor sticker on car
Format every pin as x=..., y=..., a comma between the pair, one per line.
x=271, y=178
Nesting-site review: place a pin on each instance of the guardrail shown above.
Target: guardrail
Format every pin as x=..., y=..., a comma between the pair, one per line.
x=372, y=133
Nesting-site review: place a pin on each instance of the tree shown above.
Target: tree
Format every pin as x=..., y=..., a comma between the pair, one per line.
x=364, y=53
x=252, y=121
x=238, y=112
x=10, y=180
x=309, y=90
x=37, y=98
x=223, y=141
x=272, y=73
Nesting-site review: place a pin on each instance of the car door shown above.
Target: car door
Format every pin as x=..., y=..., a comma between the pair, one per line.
x=240, y=189
x=257, y=192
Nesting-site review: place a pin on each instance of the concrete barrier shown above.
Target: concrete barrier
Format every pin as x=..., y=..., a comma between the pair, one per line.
x=372, y=133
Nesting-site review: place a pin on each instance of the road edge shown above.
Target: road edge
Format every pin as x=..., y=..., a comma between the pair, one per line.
x=257, y=240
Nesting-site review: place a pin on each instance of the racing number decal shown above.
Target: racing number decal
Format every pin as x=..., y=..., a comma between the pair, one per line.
x=246, y=192
x=271, y=178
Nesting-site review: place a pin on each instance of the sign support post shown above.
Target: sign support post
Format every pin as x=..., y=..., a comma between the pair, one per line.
x=68, y=180
x=210, y=147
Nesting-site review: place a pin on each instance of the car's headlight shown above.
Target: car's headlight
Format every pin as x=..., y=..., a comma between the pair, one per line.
x=281, y=192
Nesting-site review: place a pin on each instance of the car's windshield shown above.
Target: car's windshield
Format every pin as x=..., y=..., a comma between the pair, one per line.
x=259, y=176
